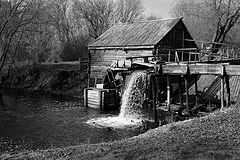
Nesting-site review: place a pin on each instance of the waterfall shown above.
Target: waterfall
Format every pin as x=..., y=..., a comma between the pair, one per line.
x=130, y=113
x=133, y=96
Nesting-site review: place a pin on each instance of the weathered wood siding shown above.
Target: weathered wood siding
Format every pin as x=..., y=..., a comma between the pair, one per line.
x=102, y=59
x=100, y=98
x=176, y=38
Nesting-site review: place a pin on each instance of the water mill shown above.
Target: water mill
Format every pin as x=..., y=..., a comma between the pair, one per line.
x=156, y=71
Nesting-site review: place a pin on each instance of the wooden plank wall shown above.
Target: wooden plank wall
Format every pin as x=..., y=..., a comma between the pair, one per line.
x=93, y=99
x=102, y=59
x=100, y=98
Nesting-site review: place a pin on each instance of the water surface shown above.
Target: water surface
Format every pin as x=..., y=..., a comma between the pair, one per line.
x=31, y=121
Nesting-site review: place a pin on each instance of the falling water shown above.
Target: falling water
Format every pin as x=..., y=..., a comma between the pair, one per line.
x=132, y=100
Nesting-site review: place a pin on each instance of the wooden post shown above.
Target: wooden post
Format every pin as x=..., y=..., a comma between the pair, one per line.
x=85, y=97
x=157, y=88
x=180, y=92
x=228, y=90
x=187, y=94
x=168, y=94
x=201, y=52
x=154, y=99
x=183, y=44
x=228, y=55
x=189, y=57
x=95, y=82
x=145, y=95
x=222, y=87
x=182, y=56
x=222, y=92
x=176, y=57
x=89, y=67
x=101, y=101
x=209, y=56
x=196, y=90
x=169, y=56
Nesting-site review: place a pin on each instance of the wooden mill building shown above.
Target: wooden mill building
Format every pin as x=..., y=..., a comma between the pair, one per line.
x=166, y=49
x=135, y=39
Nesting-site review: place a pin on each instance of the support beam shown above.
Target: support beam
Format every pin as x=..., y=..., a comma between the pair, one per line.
x=154, y=99
x=222, y=86
x=222, y=92
x=89, y=67
x=168, y=94
x=187, y=94
x=196, y=90
x=85, y=94
x=228, y=90
x=180, y=91
x=169, y=99
x=101, y=101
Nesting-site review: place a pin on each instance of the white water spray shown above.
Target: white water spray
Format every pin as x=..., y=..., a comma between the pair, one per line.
x=133, y=96
x=132, y=100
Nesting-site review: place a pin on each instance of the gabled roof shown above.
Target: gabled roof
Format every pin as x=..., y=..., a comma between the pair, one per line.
x=146, y=33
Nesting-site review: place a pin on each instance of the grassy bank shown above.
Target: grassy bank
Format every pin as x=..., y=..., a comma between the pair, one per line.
x=66, y=78
x=216, y=136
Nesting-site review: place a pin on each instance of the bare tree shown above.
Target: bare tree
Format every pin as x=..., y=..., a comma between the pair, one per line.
x=128, y=10
x=98, y=14
x=58, y=17
x=17, y=16
x=227, y=14
x=210, y=19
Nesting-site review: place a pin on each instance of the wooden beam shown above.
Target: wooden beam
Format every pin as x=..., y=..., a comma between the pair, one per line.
x=168, y=94
x=196, y=90
x=222, y=87
x=228, y=90
x=120, y=47
x=222, y=92
x=157, y=93
x=187, y=93
x=169, y=99
x=174, y=69
x=85, y=98
x=154, y=99
x=89, y=67
x=144, y=64
x=232, y=70
x=180, y=91
x=101, y=101
x=207, y=69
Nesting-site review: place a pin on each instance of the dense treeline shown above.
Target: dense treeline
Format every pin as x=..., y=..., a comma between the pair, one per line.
x=36, y=31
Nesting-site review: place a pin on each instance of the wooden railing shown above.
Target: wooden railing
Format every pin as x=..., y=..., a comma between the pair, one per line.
x=187, y=55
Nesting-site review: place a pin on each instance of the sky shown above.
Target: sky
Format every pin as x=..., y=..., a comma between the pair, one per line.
x=158, y=8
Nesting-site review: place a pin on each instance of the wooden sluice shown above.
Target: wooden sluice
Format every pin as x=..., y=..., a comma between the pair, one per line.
x=172, y=59
x=186, y=74
x=182, y=74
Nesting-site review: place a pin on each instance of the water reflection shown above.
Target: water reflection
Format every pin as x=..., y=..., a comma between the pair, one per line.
x=41, y=121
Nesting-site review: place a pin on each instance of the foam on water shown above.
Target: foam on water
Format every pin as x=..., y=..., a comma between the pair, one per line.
x=132, y=100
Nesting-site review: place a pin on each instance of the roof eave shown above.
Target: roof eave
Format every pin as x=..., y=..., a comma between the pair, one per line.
x=120, y=47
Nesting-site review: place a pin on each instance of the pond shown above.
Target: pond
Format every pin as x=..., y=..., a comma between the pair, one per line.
x=32, y=121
